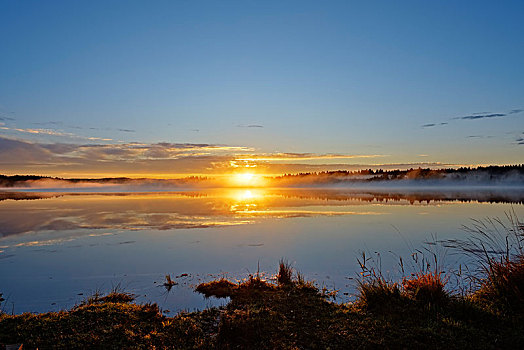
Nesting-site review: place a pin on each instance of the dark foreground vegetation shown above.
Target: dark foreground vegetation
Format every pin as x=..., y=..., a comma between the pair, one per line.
x=292, y=314
x=288, y=312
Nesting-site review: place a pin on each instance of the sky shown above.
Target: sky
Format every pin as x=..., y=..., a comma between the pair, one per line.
x=173, y=88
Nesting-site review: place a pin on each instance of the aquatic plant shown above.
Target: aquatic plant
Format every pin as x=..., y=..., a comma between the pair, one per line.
x=169, y=283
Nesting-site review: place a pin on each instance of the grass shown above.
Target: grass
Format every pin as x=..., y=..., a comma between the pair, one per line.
x=496, y=250
x=285, y=273
x=427, y=288
x=503, y=287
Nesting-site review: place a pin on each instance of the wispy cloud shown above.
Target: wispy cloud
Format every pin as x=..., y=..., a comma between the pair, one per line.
x=52, y=132
x=475, y=116
x=488, y=115
x=49, y=123
x=250, y=126
x=40, y=131
x=481, y=116
x=78, y=127
x=430, y=125
x=303, y=156
x=479, y=137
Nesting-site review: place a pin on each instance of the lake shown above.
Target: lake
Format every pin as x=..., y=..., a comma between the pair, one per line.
x=58, y=248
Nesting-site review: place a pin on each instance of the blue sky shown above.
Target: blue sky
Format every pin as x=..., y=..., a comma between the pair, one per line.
x=302, y=78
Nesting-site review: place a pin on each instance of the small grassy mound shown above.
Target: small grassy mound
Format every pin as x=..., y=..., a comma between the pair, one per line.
x=120, y=325
x=113, y=297
x=221, y=288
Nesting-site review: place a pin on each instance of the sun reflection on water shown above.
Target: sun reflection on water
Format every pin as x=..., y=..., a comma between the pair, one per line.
x=246, y=201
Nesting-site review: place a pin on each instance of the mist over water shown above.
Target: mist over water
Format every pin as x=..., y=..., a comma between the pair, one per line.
x=56, y=248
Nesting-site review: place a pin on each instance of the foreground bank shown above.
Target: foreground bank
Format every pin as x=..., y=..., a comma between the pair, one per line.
x=290, y=313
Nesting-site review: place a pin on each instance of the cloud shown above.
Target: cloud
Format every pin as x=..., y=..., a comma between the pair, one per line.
x=430, y=125
x=303, y=156
x=170, y=160
x=476, y=116
x=481, y=116
x=52, y=132
x=479, y=136
x=162, y=159
x=38, y=131
x=486, y=115
x=56, y=123
x=250, y=126
x=60, y=159
x=48, y=123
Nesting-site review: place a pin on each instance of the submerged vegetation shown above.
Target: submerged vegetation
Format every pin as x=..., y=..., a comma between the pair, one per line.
x=288, y=312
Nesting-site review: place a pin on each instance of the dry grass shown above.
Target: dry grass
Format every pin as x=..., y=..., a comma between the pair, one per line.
x=427, y=288
x=285, y=273
x=496, y=250
x=503, y=287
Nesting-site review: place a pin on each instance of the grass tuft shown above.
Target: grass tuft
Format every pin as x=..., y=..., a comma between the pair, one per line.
x=378, y=293
x=427, y=288
x=285, y=273
x=503, y=287
x=496, y=249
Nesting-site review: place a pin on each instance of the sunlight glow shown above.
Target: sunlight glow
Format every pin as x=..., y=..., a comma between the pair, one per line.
x=245, y=195
x=247, y=180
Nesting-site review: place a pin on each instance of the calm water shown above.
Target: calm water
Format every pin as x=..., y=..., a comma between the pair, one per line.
x=57, y=248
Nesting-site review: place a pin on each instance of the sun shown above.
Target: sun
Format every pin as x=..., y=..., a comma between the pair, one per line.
x=246, y=179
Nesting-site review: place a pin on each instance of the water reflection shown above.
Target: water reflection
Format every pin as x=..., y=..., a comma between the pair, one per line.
x=68, y=243
x=182, y=210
